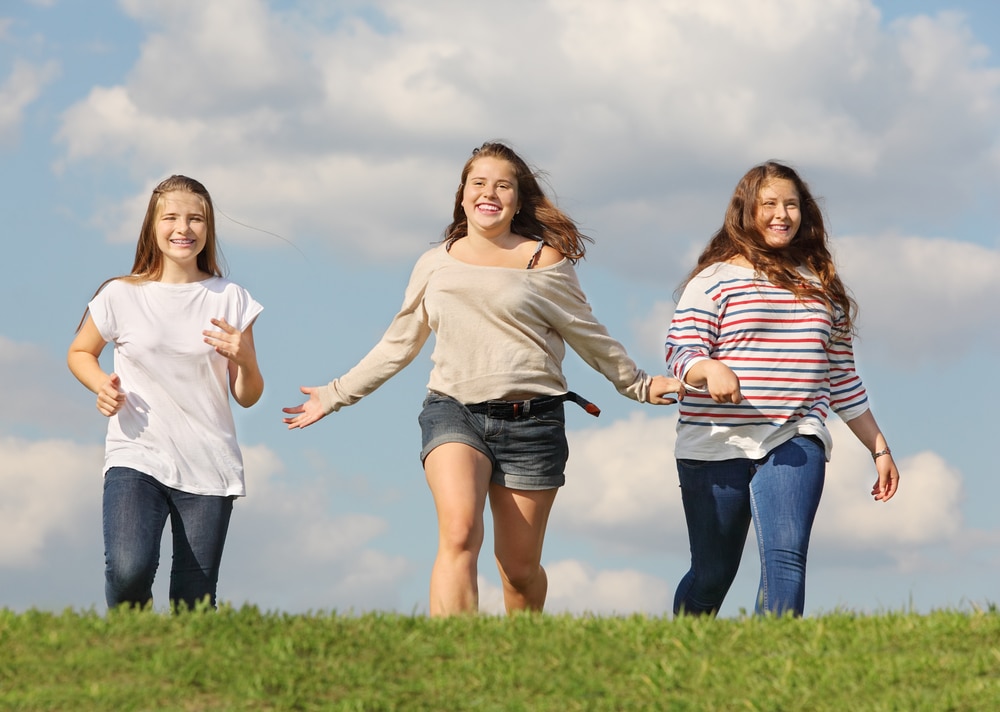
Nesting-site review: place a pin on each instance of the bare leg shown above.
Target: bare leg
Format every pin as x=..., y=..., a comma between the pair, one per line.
x=519, y=521
x=458, y=476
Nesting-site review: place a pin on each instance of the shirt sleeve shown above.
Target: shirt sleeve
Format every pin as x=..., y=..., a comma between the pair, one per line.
x=575, y=322
x=102, y=314
x=694, y=330
x=248, y=309
x=402, y=341
x=848, y=397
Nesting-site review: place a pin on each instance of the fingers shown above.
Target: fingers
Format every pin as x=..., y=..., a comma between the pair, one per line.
x=304, y=415
x=886, y=485
x=224, y=325
x=300, y=421
x=110, y=398
x=729, y=397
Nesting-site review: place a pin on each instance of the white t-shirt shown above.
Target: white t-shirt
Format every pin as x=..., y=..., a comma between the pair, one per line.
x=176, y=425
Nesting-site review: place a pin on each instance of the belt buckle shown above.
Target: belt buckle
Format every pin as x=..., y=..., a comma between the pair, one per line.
x=521, y=408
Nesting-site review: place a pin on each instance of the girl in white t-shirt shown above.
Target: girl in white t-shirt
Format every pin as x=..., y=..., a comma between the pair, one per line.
x=183, y=340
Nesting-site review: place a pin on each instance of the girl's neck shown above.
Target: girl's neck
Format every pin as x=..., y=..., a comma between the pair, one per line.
x=174, y=273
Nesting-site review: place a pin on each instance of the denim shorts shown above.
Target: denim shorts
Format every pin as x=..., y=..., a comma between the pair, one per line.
x=528, y=453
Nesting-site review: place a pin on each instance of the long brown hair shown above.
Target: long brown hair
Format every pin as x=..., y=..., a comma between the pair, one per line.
x=740, y=236
x=538, y=218
x=148, y=263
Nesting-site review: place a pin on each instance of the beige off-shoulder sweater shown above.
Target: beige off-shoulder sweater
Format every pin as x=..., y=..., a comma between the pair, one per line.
x=500, y=332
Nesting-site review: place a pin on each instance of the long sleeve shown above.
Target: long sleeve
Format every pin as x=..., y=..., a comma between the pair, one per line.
x=574, y=320
x=402, y=341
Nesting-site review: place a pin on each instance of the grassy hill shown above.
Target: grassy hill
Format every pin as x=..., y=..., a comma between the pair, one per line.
x=243, y=659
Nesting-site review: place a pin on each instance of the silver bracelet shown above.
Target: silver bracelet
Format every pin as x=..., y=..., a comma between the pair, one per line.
x=880, y=453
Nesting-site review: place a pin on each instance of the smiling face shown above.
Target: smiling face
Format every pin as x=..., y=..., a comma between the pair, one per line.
x=489, y=197
x=181, y=229
x=778, y=215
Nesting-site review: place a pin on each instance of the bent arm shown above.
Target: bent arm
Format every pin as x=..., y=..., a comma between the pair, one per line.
x=246, y=382
x=83, y=356
x=83, y=361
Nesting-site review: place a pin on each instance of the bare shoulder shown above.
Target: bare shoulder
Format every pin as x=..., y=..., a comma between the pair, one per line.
x=549, y=256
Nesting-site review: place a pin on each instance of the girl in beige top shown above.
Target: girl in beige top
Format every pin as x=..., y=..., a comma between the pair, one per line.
x=502, y=297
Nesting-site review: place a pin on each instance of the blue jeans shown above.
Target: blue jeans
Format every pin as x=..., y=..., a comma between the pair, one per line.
x=780, y=493
x=136, y=508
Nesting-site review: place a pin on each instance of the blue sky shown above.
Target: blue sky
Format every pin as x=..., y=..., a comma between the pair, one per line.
x=331, y=136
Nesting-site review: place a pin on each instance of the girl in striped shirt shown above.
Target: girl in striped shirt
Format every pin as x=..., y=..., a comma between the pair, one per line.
x=761, y=338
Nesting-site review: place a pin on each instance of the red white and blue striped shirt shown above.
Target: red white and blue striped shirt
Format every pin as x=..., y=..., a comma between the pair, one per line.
x=795, y=362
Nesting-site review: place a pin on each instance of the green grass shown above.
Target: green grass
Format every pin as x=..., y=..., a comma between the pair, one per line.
x=248, y=660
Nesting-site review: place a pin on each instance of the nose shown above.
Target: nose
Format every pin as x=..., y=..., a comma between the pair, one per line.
x=780, y=211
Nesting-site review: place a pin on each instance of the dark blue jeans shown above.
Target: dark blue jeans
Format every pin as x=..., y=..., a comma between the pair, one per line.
x=136, y=508
x=780, y=493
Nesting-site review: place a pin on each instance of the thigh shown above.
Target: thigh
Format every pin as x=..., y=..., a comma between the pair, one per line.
x=458, y=476
x=199, y=524
x=716, y=499
x=443, y=420
x=135, y=510
x=519, y=521
x=786, y=490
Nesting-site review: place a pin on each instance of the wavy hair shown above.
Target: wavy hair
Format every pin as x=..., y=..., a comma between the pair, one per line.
x=740, y=236
x=148, y=263
x=538, y=218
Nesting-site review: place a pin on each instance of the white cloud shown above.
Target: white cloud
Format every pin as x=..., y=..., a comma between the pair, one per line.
x=927, y=510
x=51, y=491
x=19, y=90
x=287, y=551
x=923, y=301
x=341, y=129
x=576, y=587
x=622, y=486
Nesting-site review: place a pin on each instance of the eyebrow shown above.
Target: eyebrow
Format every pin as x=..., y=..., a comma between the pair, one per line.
x=498, y=180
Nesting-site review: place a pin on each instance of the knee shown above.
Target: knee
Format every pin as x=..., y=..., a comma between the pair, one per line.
x=128, y=582
x=459, y=536
x=521, y=574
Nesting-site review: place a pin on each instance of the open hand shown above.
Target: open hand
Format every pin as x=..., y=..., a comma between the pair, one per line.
x=307, y=413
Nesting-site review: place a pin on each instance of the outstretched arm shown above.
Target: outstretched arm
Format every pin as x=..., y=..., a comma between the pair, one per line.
x=867, y=431
x=664, y=390
x=83, y=362
x=307, y=413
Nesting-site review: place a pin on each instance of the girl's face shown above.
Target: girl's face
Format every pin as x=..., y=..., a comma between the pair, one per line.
x=778, y=212
x=490, y=197
x=181, y=227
